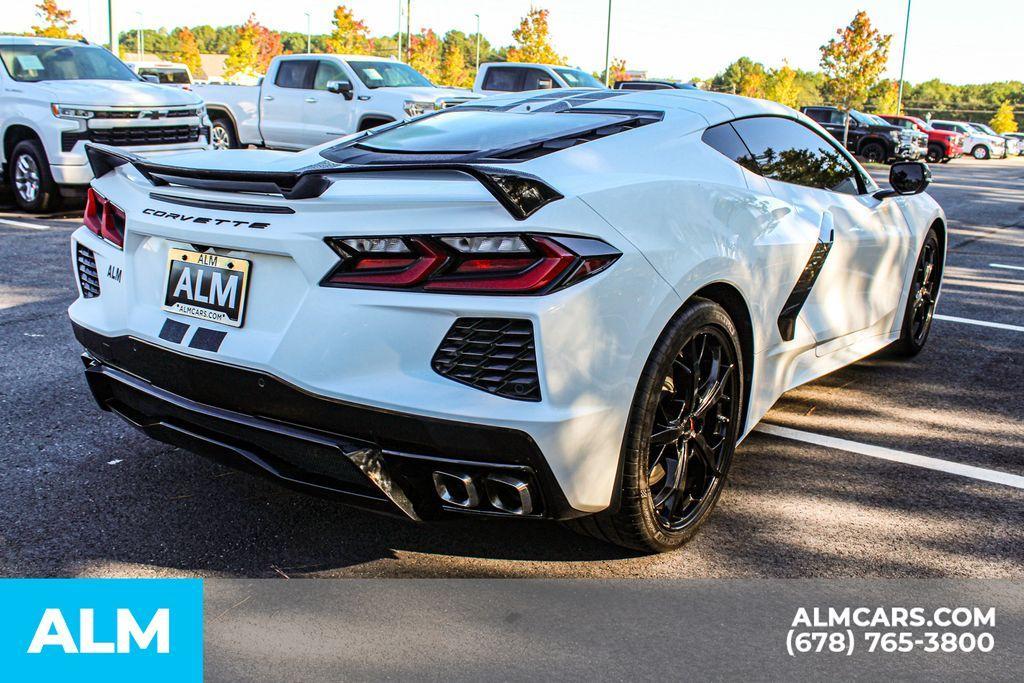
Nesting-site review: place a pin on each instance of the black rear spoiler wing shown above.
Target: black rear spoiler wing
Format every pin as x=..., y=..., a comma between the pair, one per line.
x=521, y=194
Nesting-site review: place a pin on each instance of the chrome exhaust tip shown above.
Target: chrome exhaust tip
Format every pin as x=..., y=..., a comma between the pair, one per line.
x=509, y=494
x=456, y=489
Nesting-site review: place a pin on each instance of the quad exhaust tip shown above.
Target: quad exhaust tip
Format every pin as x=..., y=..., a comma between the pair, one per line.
x=505, y=493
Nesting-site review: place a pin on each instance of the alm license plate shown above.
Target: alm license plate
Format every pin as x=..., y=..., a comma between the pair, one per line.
x=206, y=286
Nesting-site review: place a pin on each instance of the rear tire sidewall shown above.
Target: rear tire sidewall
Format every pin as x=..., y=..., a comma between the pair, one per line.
x=48, y=195
x=696, y=316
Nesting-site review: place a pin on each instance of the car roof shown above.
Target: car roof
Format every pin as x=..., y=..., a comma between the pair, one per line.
x=34, y=40
x=534, y=64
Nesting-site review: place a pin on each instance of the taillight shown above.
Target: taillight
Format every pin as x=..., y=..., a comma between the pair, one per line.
x=104, y=218
x=468, y=264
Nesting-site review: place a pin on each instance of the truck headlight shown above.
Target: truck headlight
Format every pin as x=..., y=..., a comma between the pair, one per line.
x=414, y=108
x=64, y=111
x=895, y=135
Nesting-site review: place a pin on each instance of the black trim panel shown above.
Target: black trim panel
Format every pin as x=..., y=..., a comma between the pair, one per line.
x=802, y=289
x=220, y=206
x=173, y=331
x=206, y=339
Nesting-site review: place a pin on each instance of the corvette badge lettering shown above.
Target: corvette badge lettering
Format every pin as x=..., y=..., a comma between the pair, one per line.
x=185, y=218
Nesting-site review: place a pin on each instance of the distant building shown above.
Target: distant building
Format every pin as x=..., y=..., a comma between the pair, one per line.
x=636, y=74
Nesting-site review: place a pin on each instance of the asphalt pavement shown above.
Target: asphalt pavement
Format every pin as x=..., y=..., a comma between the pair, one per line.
x=85, y=495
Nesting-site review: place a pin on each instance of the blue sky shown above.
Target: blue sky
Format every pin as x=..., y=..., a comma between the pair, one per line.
x=959, y=42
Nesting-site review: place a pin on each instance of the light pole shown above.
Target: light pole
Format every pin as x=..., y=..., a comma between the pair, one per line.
x=140, y=45
x=903, y=62
x=608, y=47
x=114, y=48
x=399, y=50
x=477, y=41
x=408, y=29
x=309, y=33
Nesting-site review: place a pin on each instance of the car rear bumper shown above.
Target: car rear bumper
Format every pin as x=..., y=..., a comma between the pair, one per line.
x=369, y=458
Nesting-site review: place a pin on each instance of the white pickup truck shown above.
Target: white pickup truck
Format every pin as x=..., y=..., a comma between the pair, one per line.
x=56, y=95
x=499, y=77
x=306, y=100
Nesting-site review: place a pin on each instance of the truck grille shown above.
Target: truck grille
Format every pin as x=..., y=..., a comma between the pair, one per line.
x=496, y=355
x=124, y=137
x=88, y=277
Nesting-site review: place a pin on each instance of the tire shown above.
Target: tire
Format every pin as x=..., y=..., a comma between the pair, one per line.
x=981, y=153
x=222, y=133
x=920, y=307
x=30, y=179
x=874, y=152
x=702, y=444
x=936, y=154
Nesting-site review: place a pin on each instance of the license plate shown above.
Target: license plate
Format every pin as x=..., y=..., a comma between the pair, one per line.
x=206, y=286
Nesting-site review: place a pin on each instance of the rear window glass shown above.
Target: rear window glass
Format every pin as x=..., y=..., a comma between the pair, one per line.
x=502, y=79
x=474, y=131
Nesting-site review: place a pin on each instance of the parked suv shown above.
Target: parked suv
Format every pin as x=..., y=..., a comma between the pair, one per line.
x=872, y=139
x=497, y=77
x=1012, y=144
x=978, y=144
x=943, y=145
x=1019, y=137
x=59, y=94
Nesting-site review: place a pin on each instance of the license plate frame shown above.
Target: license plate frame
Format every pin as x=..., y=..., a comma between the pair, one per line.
x=209, y=305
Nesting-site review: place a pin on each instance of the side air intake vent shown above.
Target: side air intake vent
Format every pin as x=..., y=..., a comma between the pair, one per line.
x=496, y=355
x=88, y=277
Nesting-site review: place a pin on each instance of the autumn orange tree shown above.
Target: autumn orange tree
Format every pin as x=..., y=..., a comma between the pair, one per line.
x=57, y=22
x=188, y=52
x=350, y=35
x=533, y=40
x=853, y=61
x=251, y=54
x=425, y=54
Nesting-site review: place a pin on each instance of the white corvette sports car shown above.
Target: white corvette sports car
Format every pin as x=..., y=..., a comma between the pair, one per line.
x=565, y=304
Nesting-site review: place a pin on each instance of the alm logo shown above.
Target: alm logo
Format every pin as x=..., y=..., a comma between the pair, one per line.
x=53, y=631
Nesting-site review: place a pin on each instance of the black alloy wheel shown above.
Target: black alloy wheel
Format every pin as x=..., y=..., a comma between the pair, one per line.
x=683, y=426
x=873, y=152
x=936, y=154
x=924, y=292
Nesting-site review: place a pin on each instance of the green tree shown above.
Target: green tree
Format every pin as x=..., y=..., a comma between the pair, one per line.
x=782, y=86
x=350, y=35
x=853, y=62
x=57, y=22
x=188, y=52
x=1003, y=121
x=744, y=76
x=533, y=40
x=425, y=54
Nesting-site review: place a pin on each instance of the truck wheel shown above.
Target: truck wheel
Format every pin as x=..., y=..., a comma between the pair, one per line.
x=29, y=175
x=980, y=152
x=873, y=152
x=936, y=154
x=222, y=134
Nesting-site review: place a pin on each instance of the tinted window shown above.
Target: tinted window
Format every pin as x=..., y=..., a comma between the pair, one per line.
x=793, y=153
x=173, y=76
x=726, y=140
x=33, y=63
x=535, y=79
x=503, y=79
x=326, y=72
x=295, y=73
x=579, y=79
x=643, y=86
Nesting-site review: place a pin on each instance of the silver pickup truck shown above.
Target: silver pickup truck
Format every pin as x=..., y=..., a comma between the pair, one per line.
x=306, y=100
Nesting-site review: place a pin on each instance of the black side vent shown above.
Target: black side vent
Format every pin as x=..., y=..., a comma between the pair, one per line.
x=496, y=355
x=88, y=277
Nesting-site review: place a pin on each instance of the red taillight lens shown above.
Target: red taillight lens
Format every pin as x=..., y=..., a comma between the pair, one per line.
x=474, y=264
x=104, y=218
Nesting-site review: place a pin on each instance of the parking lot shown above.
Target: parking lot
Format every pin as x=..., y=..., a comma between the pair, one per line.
x=85, y=495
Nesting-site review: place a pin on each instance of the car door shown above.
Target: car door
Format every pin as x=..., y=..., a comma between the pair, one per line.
x=326, y=115
x=283, y=103
x=853, y=282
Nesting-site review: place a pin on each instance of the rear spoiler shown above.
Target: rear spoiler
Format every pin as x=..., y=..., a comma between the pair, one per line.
x=521, y=194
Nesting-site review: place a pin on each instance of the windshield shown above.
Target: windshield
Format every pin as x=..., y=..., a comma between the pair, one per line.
x=861, y=117
x=173, y=76
x=984, y=129
x=579, y=79
x=389, y=75
x=465, y=131
x=33, y=63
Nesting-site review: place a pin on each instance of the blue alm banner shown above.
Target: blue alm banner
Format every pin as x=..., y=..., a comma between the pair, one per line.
x=102, y=629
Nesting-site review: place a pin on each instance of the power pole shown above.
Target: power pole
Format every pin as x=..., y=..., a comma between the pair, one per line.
x=408, y=30
x=309, y=33
x=477, y=42
x=114, y=48
x=608, y=47
x=398, y=52
x=903, y=62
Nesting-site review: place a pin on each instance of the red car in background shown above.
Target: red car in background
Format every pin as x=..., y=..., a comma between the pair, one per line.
x=943, y=145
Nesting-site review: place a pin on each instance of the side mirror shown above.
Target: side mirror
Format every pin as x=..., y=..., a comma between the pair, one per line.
x=150, y=78
x=907, y=178
x=343, y=88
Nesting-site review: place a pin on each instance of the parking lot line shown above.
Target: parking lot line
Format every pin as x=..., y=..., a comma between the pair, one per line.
x=25, y=226
x=980, y=323
x=970, y=471
x=1003, y=265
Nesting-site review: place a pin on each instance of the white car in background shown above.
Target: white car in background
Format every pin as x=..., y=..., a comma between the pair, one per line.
x=57, y=95
x=458, y=315
x=1013, y=145
x=977, y=142
x=306, y=100
x=500, y=77
x=166, y=73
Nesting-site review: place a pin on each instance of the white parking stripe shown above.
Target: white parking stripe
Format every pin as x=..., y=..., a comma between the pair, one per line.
x=26, y=226
x=980, y=473
x=980, y=323
x=1003, y=265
